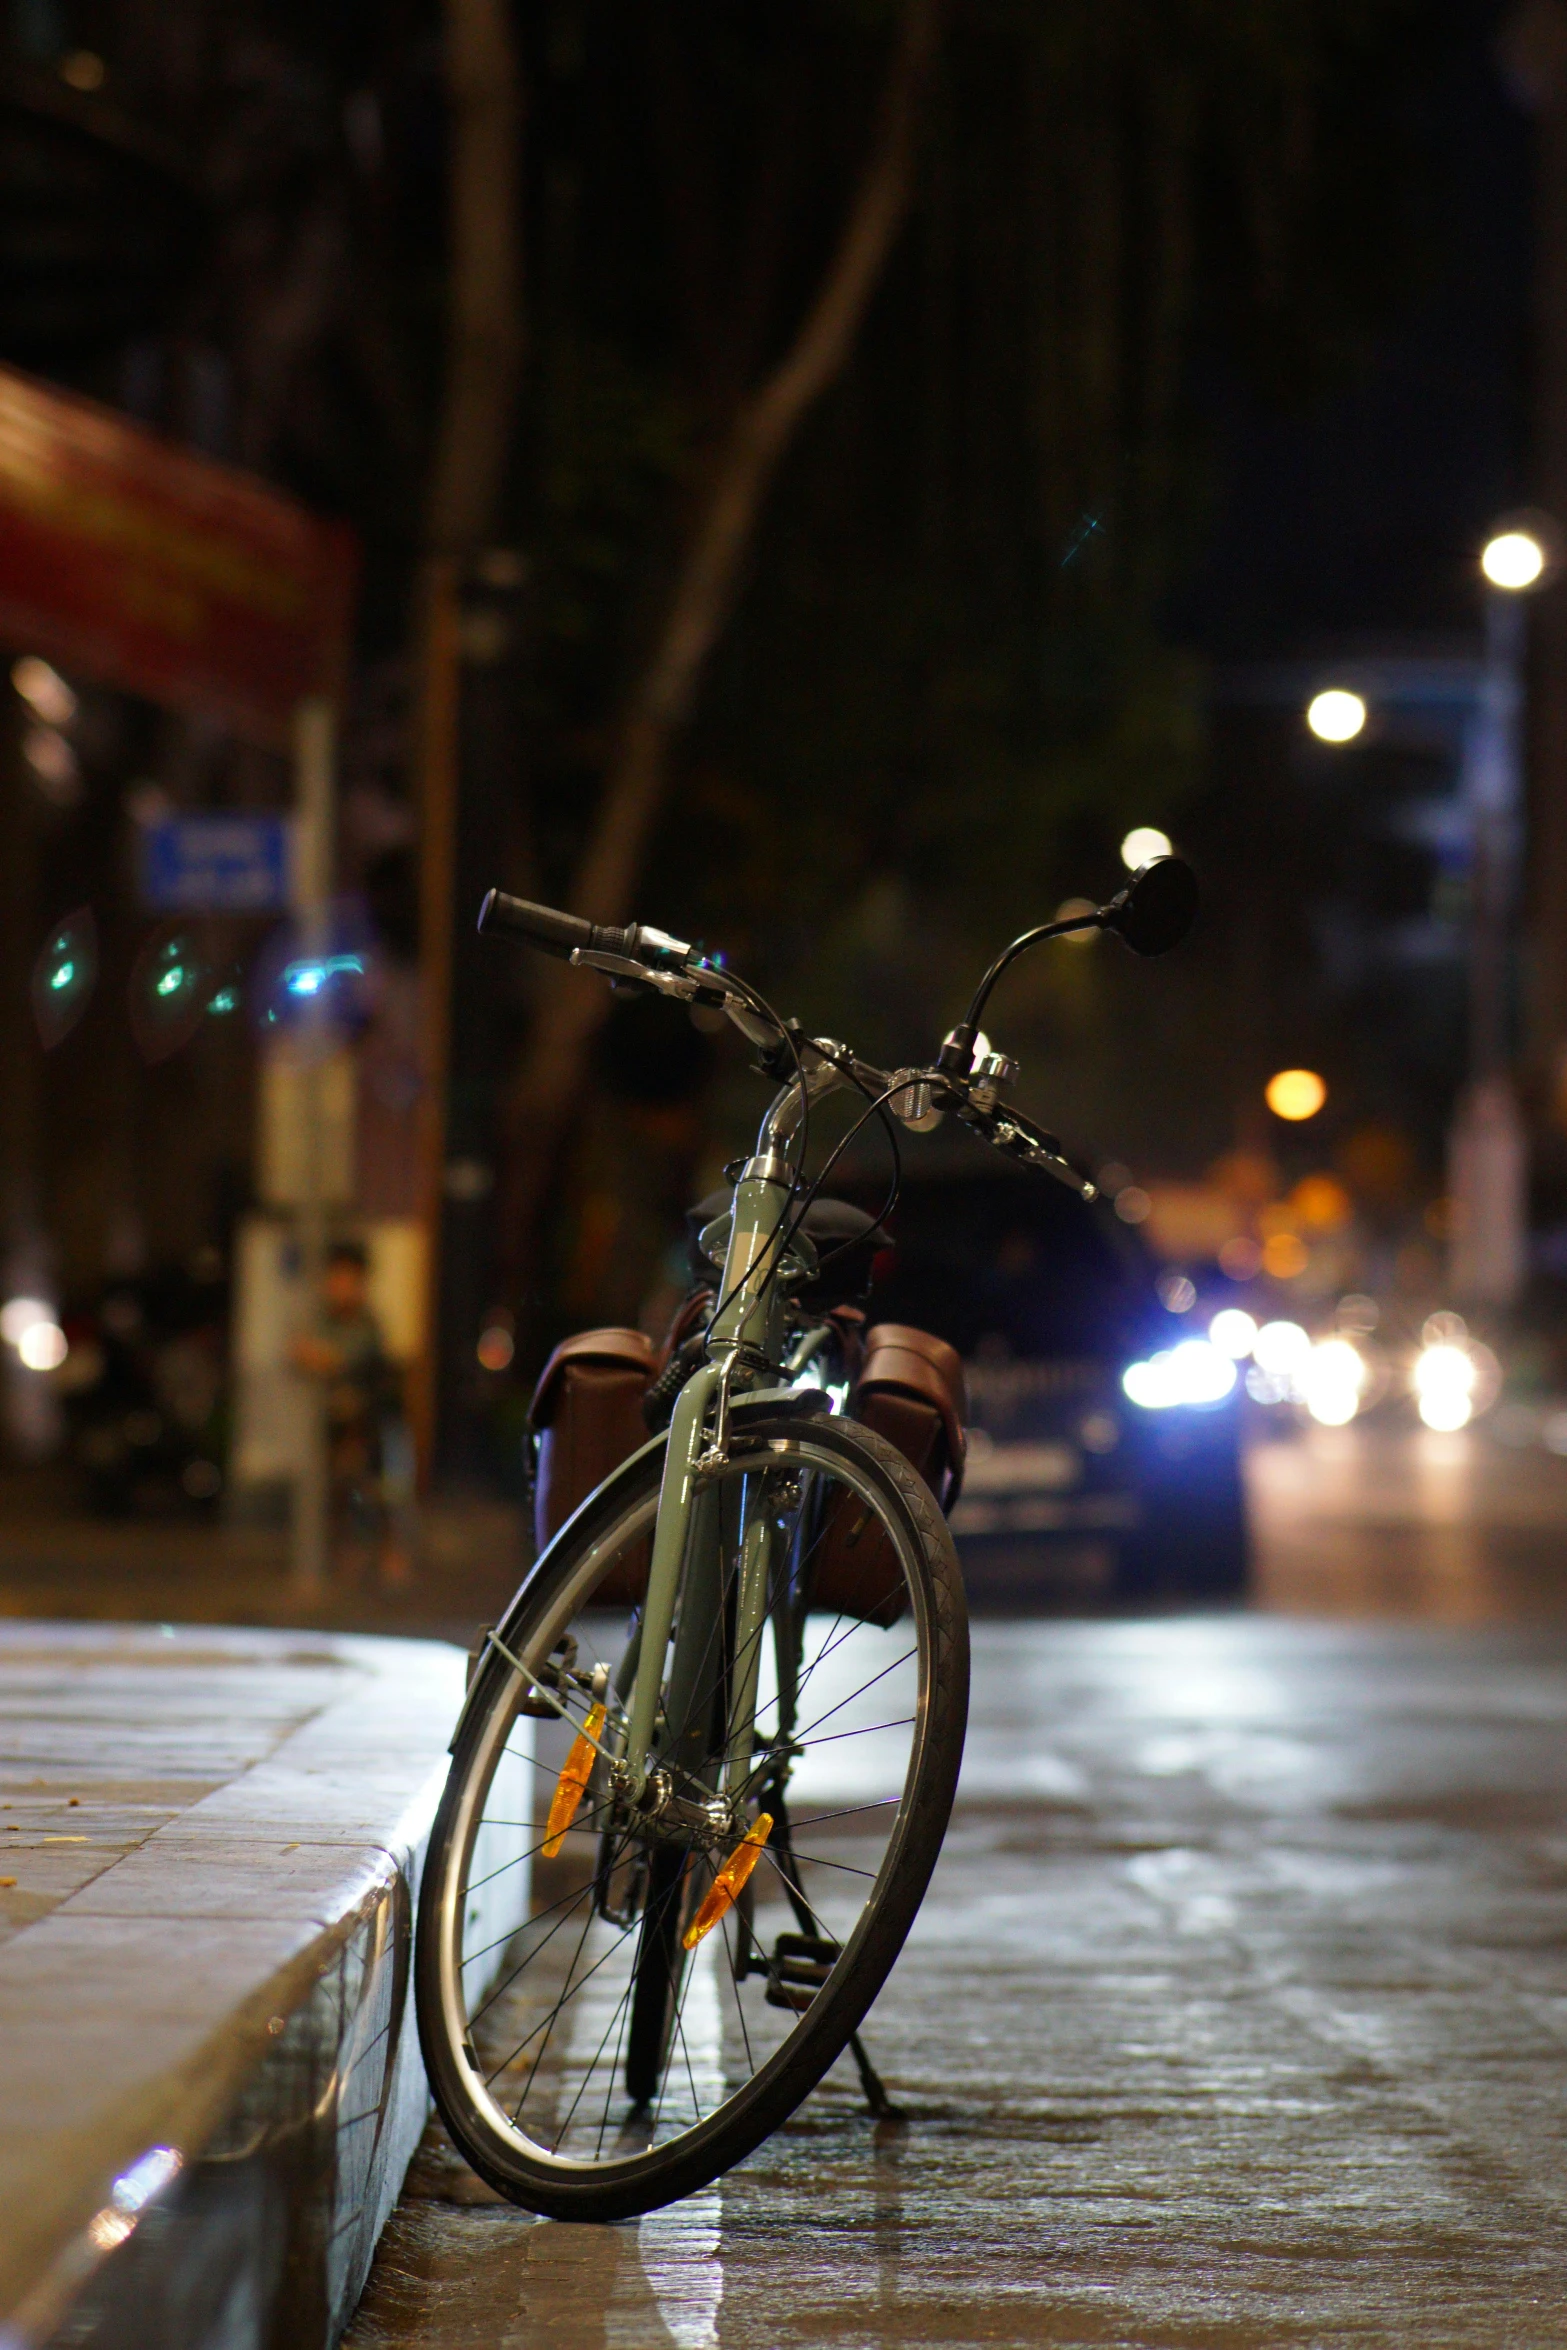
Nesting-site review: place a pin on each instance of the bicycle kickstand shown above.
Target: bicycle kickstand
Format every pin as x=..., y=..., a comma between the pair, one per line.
x=878, y=2104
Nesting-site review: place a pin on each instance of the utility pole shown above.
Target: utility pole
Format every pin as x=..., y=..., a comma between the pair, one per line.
x=1489, y=1159
x=439, y=708
x=315, y=819
x=1533, y=52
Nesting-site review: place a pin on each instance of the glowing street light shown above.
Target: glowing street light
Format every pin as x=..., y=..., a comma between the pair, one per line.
x=42, y=1346
x=1335, y=715
x=1141, y=845
x=1295, y=1094
x=1514, y=560
x=44, y=690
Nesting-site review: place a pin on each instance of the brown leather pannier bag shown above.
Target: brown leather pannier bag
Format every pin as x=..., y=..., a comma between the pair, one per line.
x=911, y=1391
x=587, y=1416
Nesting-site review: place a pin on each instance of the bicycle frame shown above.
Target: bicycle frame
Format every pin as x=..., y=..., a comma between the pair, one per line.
x=1151, y=913
x=744, y=1341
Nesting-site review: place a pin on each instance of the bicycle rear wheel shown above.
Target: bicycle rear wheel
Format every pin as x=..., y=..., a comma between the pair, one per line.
x=588, y=2063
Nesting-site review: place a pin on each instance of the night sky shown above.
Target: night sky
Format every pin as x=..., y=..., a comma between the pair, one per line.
x=1359, y=514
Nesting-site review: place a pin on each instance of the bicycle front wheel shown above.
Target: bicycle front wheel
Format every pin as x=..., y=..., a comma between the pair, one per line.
x=613, y=2010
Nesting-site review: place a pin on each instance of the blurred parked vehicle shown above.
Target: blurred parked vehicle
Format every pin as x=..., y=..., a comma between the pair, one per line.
x=1074, y=1487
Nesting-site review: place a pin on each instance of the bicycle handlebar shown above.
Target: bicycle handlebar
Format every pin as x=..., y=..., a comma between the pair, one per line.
x=546, y=928
x=671, y=966
x=556, y=933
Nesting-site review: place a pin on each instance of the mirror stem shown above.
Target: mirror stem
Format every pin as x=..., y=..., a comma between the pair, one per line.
x=958, y=1050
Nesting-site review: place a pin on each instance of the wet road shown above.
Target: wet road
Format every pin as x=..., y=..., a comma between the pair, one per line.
x=1372, y=1521
x=1237, y=2016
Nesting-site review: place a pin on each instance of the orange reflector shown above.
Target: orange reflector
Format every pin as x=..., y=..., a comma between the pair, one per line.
x=730, y=1881
x=572, y=1784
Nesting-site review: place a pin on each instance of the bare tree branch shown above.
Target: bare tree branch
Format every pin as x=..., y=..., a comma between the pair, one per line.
x=704, y=595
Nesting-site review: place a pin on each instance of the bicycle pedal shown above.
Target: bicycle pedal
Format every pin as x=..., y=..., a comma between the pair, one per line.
x=799, y=1966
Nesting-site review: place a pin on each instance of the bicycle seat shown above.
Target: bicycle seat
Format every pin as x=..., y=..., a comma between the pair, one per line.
x=830, y=1224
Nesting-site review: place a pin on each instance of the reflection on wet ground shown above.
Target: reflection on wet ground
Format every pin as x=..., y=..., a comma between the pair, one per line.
x=1237, y=2016
x=1372, y=1522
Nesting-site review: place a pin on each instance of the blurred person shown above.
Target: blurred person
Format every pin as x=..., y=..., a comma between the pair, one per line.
x=368, y=1451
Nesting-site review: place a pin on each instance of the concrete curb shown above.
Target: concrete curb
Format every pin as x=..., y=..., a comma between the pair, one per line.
x=212, y=2084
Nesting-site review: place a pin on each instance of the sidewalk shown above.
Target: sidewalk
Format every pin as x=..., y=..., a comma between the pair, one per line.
x=211, y=2083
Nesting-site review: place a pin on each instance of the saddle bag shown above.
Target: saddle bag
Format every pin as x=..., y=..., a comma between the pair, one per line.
x=910, y=1390
x=586, y=1417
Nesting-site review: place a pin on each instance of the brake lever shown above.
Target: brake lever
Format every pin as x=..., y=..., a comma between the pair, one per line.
x=1019, y=1138
x=686, y=987
x=621, y=970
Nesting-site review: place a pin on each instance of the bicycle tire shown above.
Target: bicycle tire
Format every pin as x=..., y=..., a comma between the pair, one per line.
x=620, y=2184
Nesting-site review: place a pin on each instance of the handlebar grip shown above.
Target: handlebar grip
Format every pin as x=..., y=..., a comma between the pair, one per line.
x=549, y=929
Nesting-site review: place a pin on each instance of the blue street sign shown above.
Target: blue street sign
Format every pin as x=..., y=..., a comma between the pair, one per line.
x=215, y=864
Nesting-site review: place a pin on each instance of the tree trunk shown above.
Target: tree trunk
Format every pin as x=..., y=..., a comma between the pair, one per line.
x=484, y=310
x=571, y=1007
x=484, y=356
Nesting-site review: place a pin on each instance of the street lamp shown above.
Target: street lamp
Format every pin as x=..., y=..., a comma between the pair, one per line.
x=1487, y=1169
x=1336, y=715
x=1513, y=560
x=1141, y=845
x=1295, y=1094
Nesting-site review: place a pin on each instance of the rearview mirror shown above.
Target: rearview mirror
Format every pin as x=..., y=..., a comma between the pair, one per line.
x=1157, y=907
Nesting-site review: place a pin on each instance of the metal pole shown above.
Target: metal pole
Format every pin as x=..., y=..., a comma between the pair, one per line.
x=1535, y=37
x=314, y=750
x=1489, y=1170
x=439, y=685
x=1494, y=796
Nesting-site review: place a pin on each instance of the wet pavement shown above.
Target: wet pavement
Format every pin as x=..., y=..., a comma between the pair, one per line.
x=1237, y=2015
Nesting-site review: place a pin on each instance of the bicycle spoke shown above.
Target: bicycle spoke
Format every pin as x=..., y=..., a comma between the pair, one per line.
x=816, y=1861
x=833, y=1737
x=507, y=2061
x=829, y=1649
x=570, y=1992
x=860, y=1692
x=583, y=1892
x=614, y=2066
x=739, y=2002
x=476, y=1883
x=621, y=2006
x=797, y=1891
x=818, y=1819
x=472, y=1957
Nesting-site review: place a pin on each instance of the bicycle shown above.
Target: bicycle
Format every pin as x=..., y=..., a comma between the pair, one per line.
x=691, y=1814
